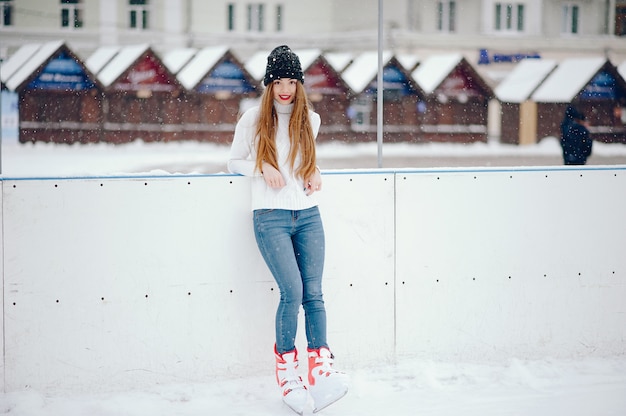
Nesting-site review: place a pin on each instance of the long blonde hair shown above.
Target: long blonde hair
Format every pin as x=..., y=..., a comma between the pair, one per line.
x=301, y=136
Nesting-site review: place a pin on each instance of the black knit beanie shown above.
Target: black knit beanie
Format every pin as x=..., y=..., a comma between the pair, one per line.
x=283, y=63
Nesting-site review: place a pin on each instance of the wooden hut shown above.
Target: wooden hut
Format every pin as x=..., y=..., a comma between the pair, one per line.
x=401, y=96
x=457, y=100
x=328, y=93
x=216, y=83
x=595, y=87
x=142, y=97
x=518, y=123
x=10, y=99
x=59, y=99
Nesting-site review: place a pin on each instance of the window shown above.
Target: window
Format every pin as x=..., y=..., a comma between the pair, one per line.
x=71, y=14
x=509, y=17
x=446, y=16
x=279, y=18
x=255, y=17
x=6, y=7
x=570, y=18
x=360, y=112
x=138, y=14
x=231, y=17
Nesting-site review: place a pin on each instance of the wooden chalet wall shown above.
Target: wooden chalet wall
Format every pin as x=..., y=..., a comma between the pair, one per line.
x=212, y=102
x=60, y=101
x=143, y=103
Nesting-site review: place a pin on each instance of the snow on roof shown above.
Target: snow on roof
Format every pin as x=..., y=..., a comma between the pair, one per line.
x=200, y=65
x=567, y=80
x=176, y=59
x=431, y=73
x=525, y=77
x=256, y=64
x=31, y=65
x=363, y=70
x=100, y=58
x=120, y=62
x=408, y=60
x=8, y=68
x=339, y=60
x=307, y=57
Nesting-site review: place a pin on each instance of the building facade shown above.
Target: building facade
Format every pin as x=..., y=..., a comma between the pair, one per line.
x=561, y=26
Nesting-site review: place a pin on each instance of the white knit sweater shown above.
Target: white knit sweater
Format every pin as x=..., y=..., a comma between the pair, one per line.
x=242, y=160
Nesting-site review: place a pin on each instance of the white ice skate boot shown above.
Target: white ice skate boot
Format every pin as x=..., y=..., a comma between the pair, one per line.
x=326, y=384
x=294, y=391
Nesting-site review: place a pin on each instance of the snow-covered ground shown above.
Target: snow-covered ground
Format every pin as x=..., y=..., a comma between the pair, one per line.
x=44, y=159
x=582, y=386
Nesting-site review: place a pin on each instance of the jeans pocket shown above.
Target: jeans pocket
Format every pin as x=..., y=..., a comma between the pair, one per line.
x=258, y=213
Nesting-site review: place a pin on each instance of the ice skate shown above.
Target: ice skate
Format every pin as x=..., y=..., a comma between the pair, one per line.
x=294, y=391
x=326, y=384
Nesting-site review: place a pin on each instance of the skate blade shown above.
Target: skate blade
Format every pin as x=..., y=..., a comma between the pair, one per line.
x=298, y=411
x=328, y=402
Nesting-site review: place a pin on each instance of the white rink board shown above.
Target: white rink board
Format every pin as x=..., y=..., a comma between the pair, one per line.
x=118, y=282
x=518, y=263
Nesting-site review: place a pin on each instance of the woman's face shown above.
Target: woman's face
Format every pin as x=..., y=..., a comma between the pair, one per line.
x=285, y=90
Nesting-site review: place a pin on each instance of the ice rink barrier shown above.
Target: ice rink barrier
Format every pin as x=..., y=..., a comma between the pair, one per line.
x=114, y=282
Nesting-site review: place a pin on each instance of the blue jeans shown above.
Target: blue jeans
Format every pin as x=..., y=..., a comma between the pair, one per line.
x=292, y=245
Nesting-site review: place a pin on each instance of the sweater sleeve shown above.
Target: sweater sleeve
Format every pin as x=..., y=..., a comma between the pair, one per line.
x=242, y=158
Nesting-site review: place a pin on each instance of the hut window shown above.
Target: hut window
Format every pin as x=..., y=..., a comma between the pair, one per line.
x=255, y=17
x=570, y=18
x=359, y=112
x=6, y=6
x=138, y=14
x=71, y=14
x=446, y=16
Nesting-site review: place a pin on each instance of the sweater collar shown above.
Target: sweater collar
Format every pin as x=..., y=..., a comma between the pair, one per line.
x=283, y=108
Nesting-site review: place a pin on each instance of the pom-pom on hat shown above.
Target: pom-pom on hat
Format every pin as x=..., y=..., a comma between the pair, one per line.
x=283, y=63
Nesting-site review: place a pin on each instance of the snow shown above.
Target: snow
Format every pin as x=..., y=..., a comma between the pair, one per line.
x=431, y=73
x=31, y=64
x=176, y=59
x=186, y=157
x=524, y=79
x=582, y=387
x=100, y=58
x=255, y=65
x=307, y=57
x=339, y=60
x=569, y=78
x=120, y=62
x=8, y=68
x=577, y=386
x=191, y=75
x=408, y=61
x=363, y=70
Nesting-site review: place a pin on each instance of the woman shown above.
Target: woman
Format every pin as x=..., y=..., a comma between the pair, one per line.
x=274, y=144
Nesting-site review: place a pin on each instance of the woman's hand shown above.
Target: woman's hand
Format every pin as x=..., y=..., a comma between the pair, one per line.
x=272, y=176
x=314, y=183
